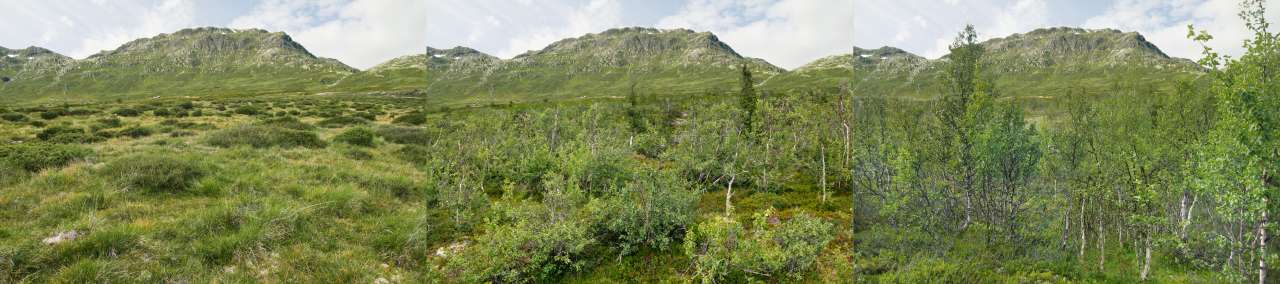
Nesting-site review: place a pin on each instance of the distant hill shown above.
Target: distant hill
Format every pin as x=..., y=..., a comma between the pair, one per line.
x=407, y=72
x=189, y=62
x=220, y=61
x=1041, y=62
x=594, y=65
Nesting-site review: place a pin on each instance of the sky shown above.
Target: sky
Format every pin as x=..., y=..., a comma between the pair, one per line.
x=360, y=33
x=790, y=33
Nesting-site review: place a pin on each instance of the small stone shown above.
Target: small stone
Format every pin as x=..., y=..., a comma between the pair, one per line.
x=61, y=237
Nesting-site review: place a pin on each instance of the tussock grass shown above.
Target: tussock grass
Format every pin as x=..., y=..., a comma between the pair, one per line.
x=154, y=172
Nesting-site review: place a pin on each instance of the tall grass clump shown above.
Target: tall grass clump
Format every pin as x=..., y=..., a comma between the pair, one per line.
x=154, y=172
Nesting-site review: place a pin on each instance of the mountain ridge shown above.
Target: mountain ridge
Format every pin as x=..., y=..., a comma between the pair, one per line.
x=193, y=62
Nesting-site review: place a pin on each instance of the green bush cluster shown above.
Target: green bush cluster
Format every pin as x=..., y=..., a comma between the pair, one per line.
x=13, y=117
x=66, y=134
x=531, y=243
x=137, y=131
x=358, y=136
x=259, y=136
x=652, y=212
x=126, y=112
x=721, y=249
x=411, y=118
x=342, y=121
x=33, y=157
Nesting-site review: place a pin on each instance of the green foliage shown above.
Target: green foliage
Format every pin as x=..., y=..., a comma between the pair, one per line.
x=247, y=110
x=650, y=212
x=50, y=115
x=747, y=98
x=13, y=117
x=137, y=131
x=342, y=121
x=411, y=118
x=107, y=123
x=529, y=242
x=723, y=250
x=34, y=157
x=259, y=136
x=154, y=172
x=126, y=112
x=66, y=134
x=358, y=136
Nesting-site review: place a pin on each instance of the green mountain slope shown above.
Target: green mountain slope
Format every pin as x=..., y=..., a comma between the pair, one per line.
x=1043, y=62
x=595, y=65
x=401, y=73
x=25, y=70
x=189, y=62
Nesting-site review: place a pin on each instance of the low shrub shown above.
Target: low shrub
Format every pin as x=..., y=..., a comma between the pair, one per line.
x=162, y=112
x=247, y=110
x=652, y=211
x=34, y=157
x=107, y=123
x=366, y=115
x=79, y=112
x=153, y=172
x=259, y=136
x=722, y=250
x=539, y=243
x=14, y=117
x=50, y=115
x=126, y=112
x=66, y=134
x=137, y=131
x=358, y=136
x=342, y=121
x=181, y=133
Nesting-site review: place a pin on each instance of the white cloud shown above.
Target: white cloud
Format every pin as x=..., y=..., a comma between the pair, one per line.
x=168, y=16
x=596, y=16
x=79, y=29
x=360, y=33
x=788, y=33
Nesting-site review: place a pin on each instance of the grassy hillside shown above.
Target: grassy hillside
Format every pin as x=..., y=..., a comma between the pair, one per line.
x=594, y=65
x=200, y=62
x=1043, y=62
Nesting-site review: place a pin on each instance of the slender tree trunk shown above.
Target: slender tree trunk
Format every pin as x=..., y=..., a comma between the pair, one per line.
x=1187, y=213
x=1262, y=244
x=1146, y=263
x=1082, y=231
x=1102, y=245
x=824, y=172
x=728, y=194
